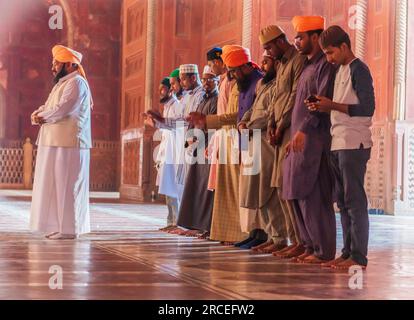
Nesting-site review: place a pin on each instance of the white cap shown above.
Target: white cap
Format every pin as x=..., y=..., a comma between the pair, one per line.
x=207, y=70
x=188, y=68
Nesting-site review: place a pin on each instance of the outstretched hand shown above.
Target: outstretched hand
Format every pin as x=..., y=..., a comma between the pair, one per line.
x=155, y=115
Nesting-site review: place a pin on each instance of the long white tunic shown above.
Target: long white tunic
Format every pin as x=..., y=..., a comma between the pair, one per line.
x=167, y=152
x=188, y=104
x=60, y=201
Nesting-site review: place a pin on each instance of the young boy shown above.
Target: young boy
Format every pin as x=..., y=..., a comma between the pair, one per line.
x=351, y=110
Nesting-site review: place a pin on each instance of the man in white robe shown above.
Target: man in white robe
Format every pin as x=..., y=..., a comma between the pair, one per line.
x=60, y=201
x=190, y=82
x=166, y=165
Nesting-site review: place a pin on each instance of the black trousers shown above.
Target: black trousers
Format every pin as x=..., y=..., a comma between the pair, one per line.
x=349, y=168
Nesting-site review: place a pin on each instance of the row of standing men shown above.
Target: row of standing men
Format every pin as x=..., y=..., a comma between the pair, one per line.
x=305, y=114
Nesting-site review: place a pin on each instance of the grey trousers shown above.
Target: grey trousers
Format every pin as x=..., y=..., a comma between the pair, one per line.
x=290, y=218
x=349, y=167
x=274, y=219
x=172, y=205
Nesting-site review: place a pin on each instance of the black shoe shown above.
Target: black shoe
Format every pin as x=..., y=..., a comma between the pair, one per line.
x=253, y=243
x=238, y=244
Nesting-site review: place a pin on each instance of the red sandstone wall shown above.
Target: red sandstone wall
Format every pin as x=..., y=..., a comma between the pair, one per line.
x=26, y=60
x=93, y=28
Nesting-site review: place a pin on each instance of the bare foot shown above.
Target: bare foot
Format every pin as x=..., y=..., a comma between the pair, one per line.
x=292, y=253
x=173, y=230
x=192, y=233
x=167, y=228
x=345, y=265
x=299, y=259
x=204, y=235
x=332, y=263
x=285, y=249
x=178, y=231
x=61, y=236
x=261, y=246
x=313, y=260
x=273, y=248
x=50, y=235
x=181, y=232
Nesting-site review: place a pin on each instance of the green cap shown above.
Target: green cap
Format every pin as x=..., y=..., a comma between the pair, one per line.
x=175, y=73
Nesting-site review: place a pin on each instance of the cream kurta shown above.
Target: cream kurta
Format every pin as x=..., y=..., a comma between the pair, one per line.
x=60, y=201
x=225, y=224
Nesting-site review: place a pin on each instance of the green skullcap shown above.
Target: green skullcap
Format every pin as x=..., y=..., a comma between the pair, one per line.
x=166, y=82
x=175, y=73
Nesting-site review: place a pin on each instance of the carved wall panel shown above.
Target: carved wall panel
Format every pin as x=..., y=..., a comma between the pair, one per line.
x=375, y=182
x=133, y=108
x=130, y=164
x=135, y=21
x=134, y=65
x=183, y=10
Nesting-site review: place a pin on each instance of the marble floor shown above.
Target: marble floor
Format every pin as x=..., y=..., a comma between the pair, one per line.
x=125, y=257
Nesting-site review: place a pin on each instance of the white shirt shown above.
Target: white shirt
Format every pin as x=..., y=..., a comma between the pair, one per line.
x=67, y=113
x=348, y=132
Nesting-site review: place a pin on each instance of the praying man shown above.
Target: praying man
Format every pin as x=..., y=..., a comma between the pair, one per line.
x=60, y=202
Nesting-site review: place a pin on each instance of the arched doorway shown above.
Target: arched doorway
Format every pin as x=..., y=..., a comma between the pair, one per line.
x=25, y=59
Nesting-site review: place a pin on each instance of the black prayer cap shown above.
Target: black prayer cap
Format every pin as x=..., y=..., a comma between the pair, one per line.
x=214, y=54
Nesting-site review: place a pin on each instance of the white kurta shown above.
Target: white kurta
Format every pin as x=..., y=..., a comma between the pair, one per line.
x=190, y=103
x=60, y=201
x=167, y=181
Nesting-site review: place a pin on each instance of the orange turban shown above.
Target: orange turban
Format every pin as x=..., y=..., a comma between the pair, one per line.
x=235, y=56
x=64, y=54
x=308, y=23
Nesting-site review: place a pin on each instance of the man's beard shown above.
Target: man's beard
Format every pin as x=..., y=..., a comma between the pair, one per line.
x=243, y=84
x=269, y=76
x=179, y=93
x=60, y=75
x=306, y=50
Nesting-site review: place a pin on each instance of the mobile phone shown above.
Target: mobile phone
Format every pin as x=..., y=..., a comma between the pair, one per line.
x=312, y=99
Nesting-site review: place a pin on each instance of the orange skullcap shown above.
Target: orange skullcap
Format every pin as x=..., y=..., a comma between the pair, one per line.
x=308, y=23
x=235, y=56
x=64, y=54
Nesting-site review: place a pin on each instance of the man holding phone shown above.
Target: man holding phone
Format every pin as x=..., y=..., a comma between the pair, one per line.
x=351, y=110
x=306, y=173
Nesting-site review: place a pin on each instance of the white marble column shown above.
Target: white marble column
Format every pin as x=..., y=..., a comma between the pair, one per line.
x=247, y=23
x=400, y=65
x=404, y=130
x=361, y=29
